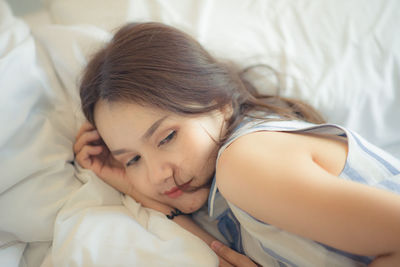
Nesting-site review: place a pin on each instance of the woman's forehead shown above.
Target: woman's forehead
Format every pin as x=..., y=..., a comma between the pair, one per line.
x=113, y=120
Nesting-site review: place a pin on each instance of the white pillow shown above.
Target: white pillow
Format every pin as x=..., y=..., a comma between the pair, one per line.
x=36, y=136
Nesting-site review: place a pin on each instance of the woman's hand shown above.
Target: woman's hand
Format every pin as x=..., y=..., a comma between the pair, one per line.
x=91, y=153
x=229, y=257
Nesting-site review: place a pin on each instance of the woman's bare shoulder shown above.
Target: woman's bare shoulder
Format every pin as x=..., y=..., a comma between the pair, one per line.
x=263, y=147
x=273, y=154
x=267, y=145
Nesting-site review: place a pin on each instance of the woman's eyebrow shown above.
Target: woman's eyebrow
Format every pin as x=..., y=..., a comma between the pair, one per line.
x=146, y=135
x=153, y=128
x=119, y=151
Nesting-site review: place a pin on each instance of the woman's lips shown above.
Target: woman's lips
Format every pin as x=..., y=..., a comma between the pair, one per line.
x=176, y=191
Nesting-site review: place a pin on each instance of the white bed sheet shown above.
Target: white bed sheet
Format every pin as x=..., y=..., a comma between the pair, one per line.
x=343, y=57
x=35, y=180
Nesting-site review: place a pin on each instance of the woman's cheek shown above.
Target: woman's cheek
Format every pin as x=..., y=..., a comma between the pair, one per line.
x=136, y=179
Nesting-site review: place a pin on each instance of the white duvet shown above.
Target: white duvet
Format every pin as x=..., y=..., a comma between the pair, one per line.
x=341, y=56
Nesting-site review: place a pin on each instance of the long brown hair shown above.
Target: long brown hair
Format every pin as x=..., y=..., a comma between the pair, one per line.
x=160, y=66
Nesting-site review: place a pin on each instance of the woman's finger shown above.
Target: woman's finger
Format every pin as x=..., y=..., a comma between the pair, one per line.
x=84, y=139
x=87, y=126
x=112, y=175
x=231, y=256
x=224, y=263
x=84, y=157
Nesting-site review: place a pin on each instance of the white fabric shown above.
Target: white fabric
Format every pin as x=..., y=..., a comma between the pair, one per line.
x=35, y=179
x=342, y=57
x=102, y=13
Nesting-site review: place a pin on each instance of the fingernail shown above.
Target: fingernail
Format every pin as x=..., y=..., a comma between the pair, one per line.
x=216, y=245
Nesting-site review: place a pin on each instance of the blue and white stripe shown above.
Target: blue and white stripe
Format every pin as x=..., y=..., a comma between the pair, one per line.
x=271, y=246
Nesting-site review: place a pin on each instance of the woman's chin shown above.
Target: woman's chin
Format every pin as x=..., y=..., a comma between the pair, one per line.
x=197, y=201
x=191, y=209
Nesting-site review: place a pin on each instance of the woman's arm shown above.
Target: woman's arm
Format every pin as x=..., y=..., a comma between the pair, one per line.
x=227, y=256
x=280, y=171
x=184, y=221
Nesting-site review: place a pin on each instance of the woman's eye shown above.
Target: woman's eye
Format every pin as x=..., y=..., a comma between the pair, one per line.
x=168, y=138
x=133, y=161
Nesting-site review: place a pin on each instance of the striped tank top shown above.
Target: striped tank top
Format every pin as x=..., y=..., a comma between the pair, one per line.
x=271, y=246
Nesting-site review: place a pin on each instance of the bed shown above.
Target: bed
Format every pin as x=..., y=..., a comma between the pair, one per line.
x=343, y=57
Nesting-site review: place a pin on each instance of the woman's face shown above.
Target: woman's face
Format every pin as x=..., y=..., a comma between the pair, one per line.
x=155, y=146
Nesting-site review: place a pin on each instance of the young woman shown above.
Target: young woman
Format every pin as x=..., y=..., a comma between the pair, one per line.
x=176, y=129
